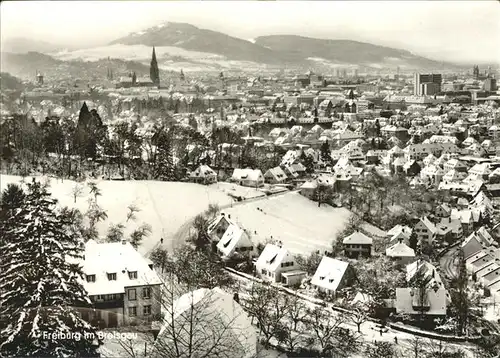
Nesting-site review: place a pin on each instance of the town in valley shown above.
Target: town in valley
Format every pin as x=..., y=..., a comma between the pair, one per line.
x=181, y=191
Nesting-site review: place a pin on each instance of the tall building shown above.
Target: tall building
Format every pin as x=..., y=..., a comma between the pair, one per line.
x=420, y=80
x=154, y=72
x=39, y=78
x=490, y=84
x=475, y=71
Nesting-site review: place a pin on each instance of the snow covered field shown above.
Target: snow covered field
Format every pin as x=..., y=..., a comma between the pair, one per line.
x=164, y=205
x=301, y=226
x=170, y=58
x=133, y=53
x=238, y=190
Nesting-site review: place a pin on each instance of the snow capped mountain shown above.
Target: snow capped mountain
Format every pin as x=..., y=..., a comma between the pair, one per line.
x=184, y=46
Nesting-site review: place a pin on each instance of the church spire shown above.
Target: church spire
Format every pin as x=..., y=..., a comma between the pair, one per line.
x=154, y=72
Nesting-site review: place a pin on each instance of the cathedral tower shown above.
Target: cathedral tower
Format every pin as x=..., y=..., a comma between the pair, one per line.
x=154, y=72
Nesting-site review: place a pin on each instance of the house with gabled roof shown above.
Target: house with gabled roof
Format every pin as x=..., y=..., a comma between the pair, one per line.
x=218, y=227
x=204, y=175
x=273, y=262
x=481, y=171
x=400, y=252
x=443, y=210
x=275, y=176
x=449, y=229
x=411, y=168
x=332, y=275
x=476, y=242
x=248, y=177
x=426, y=231
x=235, y=241
x=400, y=229
x=357, y=244
x=122, y=285
x=425, y=293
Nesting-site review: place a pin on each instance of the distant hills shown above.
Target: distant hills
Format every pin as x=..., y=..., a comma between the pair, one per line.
x=25, y=66
x=184, y=46
x=299, y=48
x=278, y=49
x=24, y=45
x=190, y=37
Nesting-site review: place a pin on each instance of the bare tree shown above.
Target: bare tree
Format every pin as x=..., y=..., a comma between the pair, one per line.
x=132, y=210
x=94, y=214
x=94, y=190
x=202, y=324
x=115, y=233
x=138, y=234
x=212, y=211
x=297, y=311
x=324, y=326
x=76, y=191
x=269, y=307
x=358, y=315
x=436, y=349
x=416, y=349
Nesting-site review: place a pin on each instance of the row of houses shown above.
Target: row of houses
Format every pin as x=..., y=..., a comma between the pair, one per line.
x=482, y=259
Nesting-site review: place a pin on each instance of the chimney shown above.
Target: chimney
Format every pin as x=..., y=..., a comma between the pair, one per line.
x=229, y=216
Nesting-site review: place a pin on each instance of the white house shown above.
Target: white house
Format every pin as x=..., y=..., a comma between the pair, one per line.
x=275, y=176
x=332, y=275
x=121, y=283
x=401, y=252
x=203, y=174
x=357, y=244
x=425, y=230
x=248, y=177
x=235, y=240
x=428, y=296
x=274, y=261
x=433, y=301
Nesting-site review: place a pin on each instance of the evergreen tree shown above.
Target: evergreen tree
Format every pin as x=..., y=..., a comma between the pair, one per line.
x=414, y=241
x=90, y=132
x=325, y=152
x=308, y=162
x=164, y=168
x=40, y=282
x=460, y=297
x=11, y=198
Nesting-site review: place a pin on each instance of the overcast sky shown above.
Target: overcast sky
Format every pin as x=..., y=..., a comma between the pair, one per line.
x=448, y=30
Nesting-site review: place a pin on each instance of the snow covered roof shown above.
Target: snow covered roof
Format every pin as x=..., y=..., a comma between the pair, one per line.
x=215, y=311
x=400, y=249
x=435, y=300
x=110, y=260
x=203, y=171
x=406, y=230
x=272, y=257
x=426, y=269
x=277, y=173
x=233, y=238
x=247, y=174
x=480, y=169
x=358, y=238
x=329, y=273
x=309, y=185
